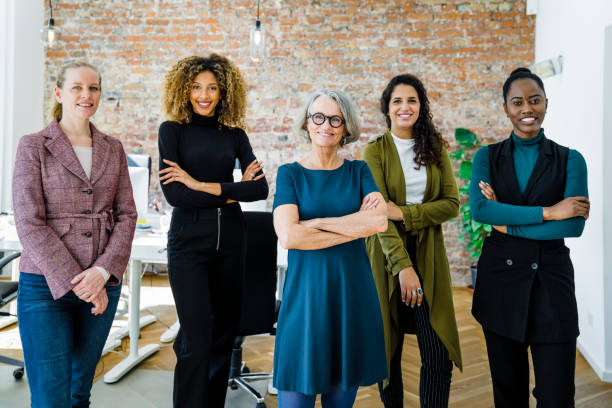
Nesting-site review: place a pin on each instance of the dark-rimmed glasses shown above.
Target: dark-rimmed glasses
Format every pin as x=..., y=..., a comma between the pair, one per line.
x=318, y=119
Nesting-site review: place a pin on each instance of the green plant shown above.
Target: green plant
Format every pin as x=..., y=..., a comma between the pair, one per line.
x=474, y=232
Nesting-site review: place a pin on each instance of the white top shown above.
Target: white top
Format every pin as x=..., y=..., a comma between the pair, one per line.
x=416, y=180
x=84, y=155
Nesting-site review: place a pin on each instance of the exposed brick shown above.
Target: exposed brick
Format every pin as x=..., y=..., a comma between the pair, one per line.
x=461, y=49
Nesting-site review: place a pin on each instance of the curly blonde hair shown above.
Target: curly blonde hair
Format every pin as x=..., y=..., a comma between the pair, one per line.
x=231, y=109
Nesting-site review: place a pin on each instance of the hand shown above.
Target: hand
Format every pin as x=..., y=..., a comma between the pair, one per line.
x=569, y=208
x=251, y=171
x=100, y=303
x=369, y=203
x=501, y=228
x=409, y=283
x=487, y=191
x=394, y=213
x=175, y=173
x=89, y=284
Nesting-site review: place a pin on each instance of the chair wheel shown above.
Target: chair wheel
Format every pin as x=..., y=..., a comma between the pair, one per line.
x=234, y=386
x=260, y=405
x=18, y=373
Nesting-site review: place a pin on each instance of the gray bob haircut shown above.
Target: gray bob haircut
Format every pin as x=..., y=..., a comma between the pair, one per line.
x=347, y=107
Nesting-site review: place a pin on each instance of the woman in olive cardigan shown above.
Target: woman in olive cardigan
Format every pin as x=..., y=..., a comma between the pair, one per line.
x=414, y=174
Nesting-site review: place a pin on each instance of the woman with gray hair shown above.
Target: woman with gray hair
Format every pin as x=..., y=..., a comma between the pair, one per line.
x=329, y=337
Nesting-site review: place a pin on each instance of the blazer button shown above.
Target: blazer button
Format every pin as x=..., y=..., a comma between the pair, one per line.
x=509, y=262
x=88, y=234
x=87, y=212
x=89, y=191
x=534, y=266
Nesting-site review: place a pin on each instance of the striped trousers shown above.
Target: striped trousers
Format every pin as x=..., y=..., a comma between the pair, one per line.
x=436, y=367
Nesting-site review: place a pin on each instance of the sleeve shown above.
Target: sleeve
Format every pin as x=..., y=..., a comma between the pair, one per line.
x=116, y=254
x=493, y=212
x=252, y=190
x=38, y=240
x=390, y=241
x=178, y=194
x=368, y=185
x=285, y=188
x=419, y=216
x=576, y=184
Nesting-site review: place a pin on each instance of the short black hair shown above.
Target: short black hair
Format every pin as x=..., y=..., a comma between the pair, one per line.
x=521, y=73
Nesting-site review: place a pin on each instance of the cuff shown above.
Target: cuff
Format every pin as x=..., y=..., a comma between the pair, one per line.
x=104, y=272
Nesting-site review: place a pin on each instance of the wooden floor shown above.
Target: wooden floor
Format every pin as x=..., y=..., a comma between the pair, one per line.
x=470, y=388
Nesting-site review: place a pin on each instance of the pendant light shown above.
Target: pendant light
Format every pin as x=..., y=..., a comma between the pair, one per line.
x=257, y=46
x=49, y=34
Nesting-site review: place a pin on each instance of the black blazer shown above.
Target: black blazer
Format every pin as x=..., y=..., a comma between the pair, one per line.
x=525, y=288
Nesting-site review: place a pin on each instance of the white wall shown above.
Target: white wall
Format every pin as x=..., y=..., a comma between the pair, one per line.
x=576, y=30
x=21, y=82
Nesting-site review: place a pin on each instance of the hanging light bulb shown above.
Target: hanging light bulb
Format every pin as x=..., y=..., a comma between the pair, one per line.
x=258, y=40
x=50, y=34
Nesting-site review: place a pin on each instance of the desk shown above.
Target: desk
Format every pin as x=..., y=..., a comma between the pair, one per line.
x=146, y=247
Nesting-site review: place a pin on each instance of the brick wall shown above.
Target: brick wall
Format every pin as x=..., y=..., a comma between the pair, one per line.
x=461, y=49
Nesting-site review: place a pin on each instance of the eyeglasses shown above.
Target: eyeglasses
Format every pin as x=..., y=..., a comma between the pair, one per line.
x=319, y=119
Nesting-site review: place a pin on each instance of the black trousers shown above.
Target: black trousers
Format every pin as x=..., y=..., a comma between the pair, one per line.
x=436, y=366
x=554, y=367
x=206, y=251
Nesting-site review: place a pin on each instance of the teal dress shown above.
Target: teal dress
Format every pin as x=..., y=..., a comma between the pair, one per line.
x=330, y=331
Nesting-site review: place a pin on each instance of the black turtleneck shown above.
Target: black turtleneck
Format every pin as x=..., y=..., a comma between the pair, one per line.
x=208, y=152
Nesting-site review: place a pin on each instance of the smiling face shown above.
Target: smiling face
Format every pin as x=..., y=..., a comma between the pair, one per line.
x=80, y=93
x=325, y=135
x=525, y=106
x=404, y=108
x=205, y=94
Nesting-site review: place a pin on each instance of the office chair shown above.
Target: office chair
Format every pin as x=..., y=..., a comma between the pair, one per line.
x=8, y=292
x=259, y=305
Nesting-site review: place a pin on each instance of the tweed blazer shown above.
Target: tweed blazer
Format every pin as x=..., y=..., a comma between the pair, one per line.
x=67, y=222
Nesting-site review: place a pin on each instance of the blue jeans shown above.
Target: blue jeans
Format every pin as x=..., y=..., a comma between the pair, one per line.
x=62, y=342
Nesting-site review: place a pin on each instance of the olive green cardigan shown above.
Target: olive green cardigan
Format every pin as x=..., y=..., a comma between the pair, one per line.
x=387, y=250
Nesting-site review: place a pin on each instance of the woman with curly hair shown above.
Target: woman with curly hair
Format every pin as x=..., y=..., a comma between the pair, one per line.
x=413, y=172
x=205, y=101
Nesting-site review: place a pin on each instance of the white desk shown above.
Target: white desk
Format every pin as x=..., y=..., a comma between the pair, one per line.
x=146, y=247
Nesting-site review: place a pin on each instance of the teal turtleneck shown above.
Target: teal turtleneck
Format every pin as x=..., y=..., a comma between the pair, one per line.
x=526, y=221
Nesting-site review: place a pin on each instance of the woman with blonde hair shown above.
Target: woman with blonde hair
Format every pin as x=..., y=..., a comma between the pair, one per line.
x=75, y=217
x=205, y=102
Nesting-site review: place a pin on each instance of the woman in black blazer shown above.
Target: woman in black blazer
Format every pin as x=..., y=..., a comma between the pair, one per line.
x=534, y=192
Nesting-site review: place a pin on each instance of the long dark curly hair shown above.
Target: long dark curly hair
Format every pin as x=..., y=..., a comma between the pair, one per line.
x=231, y=109
x=428, y=142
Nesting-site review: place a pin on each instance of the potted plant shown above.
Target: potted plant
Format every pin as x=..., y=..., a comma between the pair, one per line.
x=474, y=232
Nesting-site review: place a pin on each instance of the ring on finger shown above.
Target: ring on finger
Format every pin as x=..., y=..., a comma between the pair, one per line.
x=414, y=293
x=419, y=291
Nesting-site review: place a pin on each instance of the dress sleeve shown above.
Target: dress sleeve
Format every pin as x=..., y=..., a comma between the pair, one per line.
x=285, y=188
x=177, y=194
x=390, y=241
x=368, y=185
x=445, y=207
x=252, y=190
x=576, y=184
x=493, y=212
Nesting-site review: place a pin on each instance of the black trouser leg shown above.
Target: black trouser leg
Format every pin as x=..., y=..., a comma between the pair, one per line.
x=509, y=366
x=226, y=307
x=206, y=284
x=554, y=367
x=436, y=366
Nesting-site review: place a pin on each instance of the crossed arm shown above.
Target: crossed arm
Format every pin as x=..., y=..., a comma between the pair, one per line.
x=319, y=233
